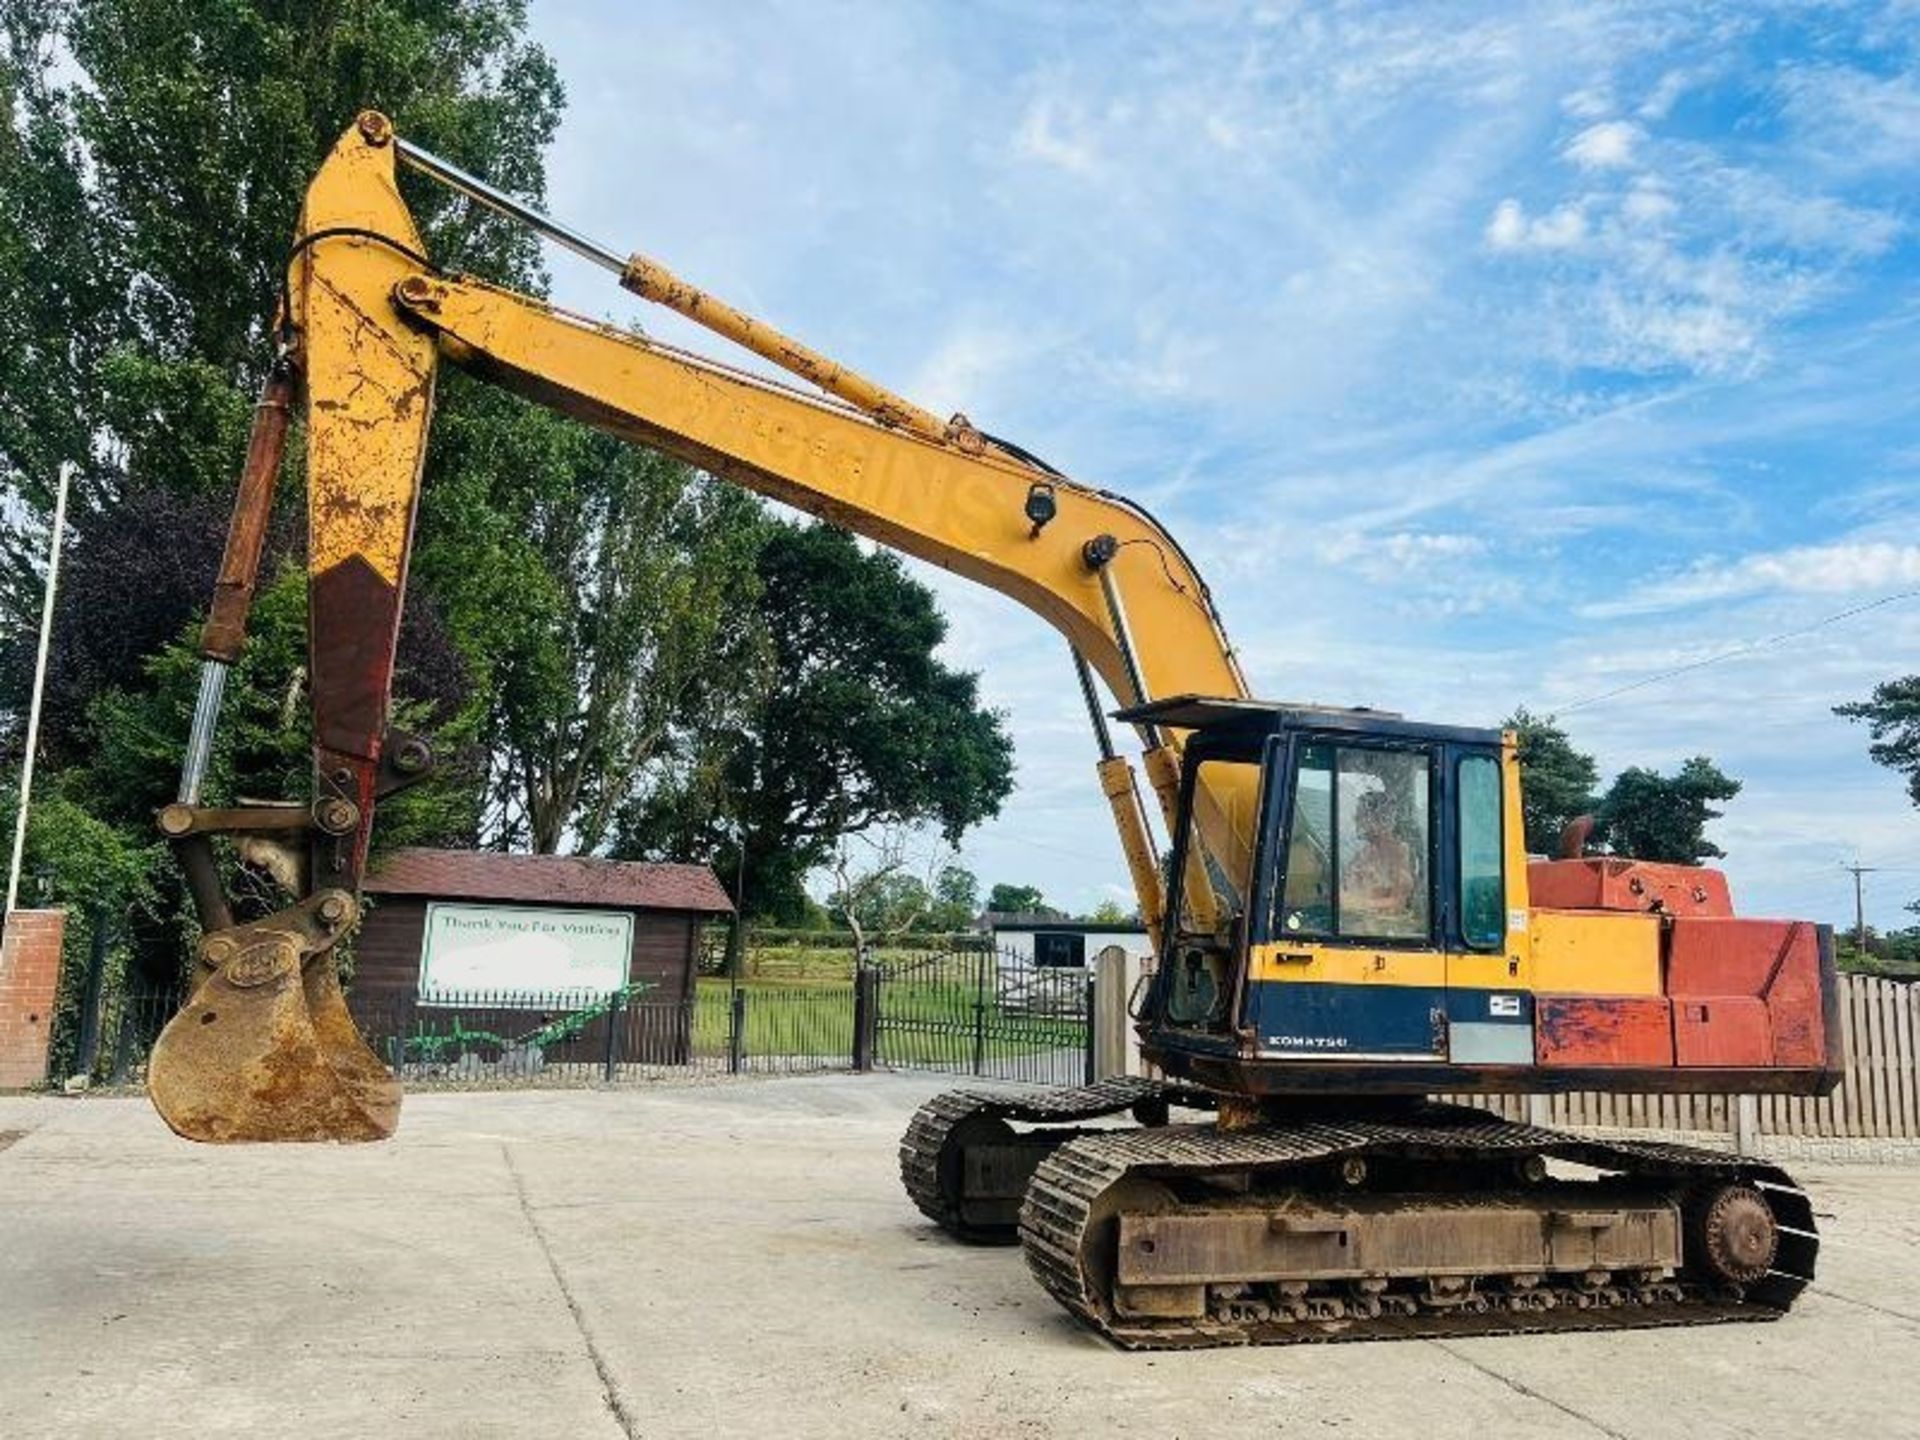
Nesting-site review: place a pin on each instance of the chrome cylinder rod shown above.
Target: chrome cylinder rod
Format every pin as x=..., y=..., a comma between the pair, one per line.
x=1123, y=637
x=474, y=188
x=651, y=280
x=206, y=713
x=1102, y=737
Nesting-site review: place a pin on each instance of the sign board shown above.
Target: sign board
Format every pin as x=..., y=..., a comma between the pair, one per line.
x=496, y=949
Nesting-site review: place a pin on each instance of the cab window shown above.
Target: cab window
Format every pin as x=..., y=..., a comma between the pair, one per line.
x=1482, y=892
x=1357, y=846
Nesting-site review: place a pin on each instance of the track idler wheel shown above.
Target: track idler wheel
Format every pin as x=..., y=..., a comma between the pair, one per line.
x=1732, y=1236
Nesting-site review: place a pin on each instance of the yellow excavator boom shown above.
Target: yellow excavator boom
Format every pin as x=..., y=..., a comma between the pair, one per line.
x=263, y=1048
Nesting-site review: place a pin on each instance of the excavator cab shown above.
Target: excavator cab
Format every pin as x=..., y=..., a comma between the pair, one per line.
x=1379, y=876
x=1388, y=939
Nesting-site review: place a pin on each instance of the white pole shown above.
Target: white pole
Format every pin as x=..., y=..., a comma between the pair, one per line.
x=39, y=685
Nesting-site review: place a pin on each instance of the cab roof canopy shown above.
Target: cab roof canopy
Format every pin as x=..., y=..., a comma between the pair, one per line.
x=1230, y=724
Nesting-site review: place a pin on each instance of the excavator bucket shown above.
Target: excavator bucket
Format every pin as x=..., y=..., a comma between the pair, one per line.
x=264, y=1050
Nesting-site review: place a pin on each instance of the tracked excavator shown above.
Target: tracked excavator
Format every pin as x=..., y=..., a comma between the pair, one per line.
x=1347, y=928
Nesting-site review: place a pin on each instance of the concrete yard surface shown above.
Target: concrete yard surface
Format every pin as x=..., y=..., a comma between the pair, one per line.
x=739, y=1259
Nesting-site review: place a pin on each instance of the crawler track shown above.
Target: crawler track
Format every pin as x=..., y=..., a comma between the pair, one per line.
x=1069, y=1228
x=933, y=1151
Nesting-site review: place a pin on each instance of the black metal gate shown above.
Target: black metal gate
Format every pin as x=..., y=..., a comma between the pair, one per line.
x=994, y=1014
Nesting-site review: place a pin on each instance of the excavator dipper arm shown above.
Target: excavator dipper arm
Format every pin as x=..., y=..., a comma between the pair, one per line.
x=264, y=1048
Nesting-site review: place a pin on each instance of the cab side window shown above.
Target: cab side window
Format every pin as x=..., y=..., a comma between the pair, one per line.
x=1482, y=888
x=1358, y=845
x=1306, y=907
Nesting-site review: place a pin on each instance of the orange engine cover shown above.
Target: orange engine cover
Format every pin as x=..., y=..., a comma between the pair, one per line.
x=1606, y=884
x=1773, y=961
x=1633, y=1030
x=1728, y=1030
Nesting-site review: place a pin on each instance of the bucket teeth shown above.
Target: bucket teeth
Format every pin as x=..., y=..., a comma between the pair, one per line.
x=264, y=1050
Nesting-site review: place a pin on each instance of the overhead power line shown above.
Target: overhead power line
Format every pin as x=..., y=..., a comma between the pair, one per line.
x=1745, y=648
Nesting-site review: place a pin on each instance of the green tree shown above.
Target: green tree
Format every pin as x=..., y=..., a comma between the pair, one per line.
x=157, y=200
x=1892, y=718
x=1005, y=899
x=956, y=899
x=1111, y=912
x=146, y=209
x=1557, y=782
x=1651, y=816
x=59, y=288
x=859, y=726
x=153, y=154
x=881, y=906
x=1893, y=953
x=604, y=598
x=93, y=870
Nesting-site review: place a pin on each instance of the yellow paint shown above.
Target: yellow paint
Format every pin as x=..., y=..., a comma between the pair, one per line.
x=1348, y=965
x=1492, y=970
x=1596, y=952
x=1136, y=841
x=958, y=510
x=1510, y=967
x=653, y=281
x=1519, y=946
x=369, y=378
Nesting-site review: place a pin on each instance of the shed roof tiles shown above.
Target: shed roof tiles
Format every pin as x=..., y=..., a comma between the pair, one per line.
x=548, y=880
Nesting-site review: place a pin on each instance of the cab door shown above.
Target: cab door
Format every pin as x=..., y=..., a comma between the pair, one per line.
x=1349, y=963
x=1489, y=990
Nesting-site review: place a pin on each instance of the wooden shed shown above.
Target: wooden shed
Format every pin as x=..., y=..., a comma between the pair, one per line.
x=448, y=922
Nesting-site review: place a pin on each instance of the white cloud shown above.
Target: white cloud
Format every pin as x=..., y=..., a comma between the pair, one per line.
x=962, y=371
x=1670, y=87
x=1838, y=569
x=1559, y=229
x=1050, y=133
x=1589, y=102
x=1394, y=556
x=1649, y=203
x=1859, y=120
x=1609, y=145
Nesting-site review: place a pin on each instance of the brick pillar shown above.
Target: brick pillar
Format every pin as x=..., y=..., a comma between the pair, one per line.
x=29, y=978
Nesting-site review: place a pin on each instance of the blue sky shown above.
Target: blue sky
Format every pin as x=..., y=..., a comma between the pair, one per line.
x=1482, y=355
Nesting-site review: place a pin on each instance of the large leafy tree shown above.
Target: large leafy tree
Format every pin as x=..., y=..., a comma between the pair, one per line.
x=180, y=163
x=1557, y=782
x=149, y=184
x=59, y=287
x=860, y=726
x=1892, y=717
x=605, y=595
x=1006, y=899
x=1651, y=816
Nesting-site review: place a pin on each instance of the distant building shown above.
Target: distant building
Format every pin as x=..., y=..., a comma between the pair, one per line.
x=1045, y=964
x=1049, y=942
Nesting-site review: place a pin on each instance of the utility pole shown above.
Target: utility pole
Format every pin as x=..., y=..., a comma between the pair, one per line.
x=39, y=686
x=1859, y=904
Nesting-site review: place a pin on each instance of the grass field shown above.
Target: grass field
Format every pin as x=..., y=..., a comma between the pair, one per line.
x=824, y=965
x=922, y=1022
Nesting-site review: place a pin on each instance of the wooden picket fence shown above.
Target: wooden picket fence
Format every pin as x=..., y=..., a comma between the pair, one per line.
x=1878, y=1099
